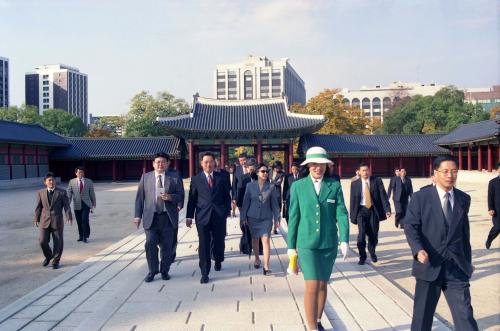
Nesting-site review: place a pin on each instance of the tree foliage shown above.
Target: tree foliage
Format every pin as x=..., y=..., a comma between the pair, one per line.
x=95, y=132
x=144, y=110
x=494, y=112
x=440, y=113
x=63, y=123
x=23, y=114
x=341, y=119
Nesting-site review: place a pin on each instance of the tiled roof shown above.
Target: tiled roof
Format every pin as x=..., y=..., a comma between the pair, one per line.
x=471, y=132
x=375, y=145
x=241, y=118
x=19, y=133
x=118, y=148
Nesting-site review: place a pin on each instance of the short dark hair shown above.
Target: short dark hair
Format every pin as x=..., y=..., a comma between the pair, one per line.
x=277, y=164
x=440, y=159
x=296, y=164
x=79, y=168
x=363, y=164
x=260, y=165
x=242, y=155
x=163, y=155
x=397, y=168
x=48, y=175
x=208, y=154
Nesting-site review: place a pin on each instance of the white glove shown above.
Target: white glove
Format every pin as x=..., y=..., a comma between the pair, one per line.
x=291, y=252
x=344, y=247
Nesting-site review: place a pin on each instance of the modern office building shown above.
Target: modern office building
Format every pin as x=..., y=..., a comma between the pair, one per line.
x=377, y=100
x=58, y=86
x=257, y=77
x=488, y=97
x=4, y=82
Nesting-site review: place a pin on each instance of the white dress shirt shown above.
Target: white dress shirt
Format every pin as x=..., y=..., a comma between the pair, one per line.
x=363, y=188
x=442, y=197
x=317, y=184
x=157, y=191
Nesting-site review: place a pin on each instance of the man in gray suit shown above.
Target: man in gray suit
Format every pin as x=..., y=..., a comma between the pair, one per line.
x=49, y=218
x=81, y=191
x=156, y=203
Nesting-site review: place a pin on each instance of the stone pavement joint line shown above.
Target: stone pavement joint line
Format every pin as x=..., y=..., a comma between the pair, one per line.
x=107, y=292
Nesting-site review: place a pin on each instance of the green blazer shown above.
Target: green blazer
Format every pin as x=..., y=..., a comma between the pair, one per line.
x=313, y=220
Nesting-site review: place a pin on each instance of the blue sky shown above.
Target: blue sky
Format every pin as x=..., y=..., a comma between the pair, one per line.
x=127, y=46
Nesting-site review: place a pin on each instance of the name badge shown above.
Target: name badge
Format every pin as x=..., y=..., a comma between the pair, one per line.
x=330, y=200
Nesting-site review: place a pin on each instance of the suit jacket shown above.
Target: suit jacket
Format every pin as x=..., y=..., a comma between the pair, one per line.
x=245, y=180
x=426, y=229
x=494, y=196
x=237, y=180
x=174, y=172
x=287, y=184
x=87, y=196
x=264, y=205
x=315, y=222
x=51, y=214
x=402, y=192
x=205, y=202
x=278, y=182
x=380, y=201
x=390, y=188
x=145, y=199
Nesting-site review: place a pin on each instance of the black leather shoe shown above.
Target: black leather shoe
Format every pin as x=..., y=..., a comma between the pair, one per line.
x=204, y=280
x=79, y=239
x=266, y=272
x=218, y=266
x=85, y=240
x=165, y=276
x=55, y=266
x=149, y=277
x=321, y=327
x=361, y=261
x=488, y=244
x=46, y=262
x=275, y=231
x=374, y=258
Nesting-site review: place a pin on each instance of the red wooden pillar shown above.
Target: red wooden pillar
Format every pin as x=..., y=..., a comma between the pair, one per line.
x=479, y=158
x=490, y=160
x=370, y=159
x=9, y=159
x=469, y=158
x=290, y=156
x=191, y=159
x=259, y=152
x=430, y=166
x=460, y=157
x=339, y=162
x=400, y=162
x=176, y=164
x=114, y=170
x=144, y=166
x=222, y=155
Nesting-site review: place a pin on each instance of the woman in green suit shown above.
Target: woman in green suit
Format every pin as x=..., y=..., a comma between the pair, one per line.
x=317, y=220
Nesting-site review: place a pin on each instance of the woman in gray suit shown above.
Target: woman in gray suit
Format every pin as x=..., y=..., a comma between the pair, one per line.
x=260, y=208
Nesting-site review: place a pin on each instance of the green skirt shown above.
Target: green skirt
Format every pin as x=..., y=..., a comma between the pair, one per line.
x=317, y=264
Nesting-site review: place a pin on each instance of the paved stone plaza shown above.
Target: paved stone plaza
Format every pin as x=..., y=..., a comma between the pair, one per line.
x=106, y=291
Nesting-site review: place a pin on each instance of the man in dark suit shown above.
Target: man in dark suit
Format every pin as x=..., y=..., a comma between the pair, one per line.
x=494, y=207
x=390, y=188
x=81, y=191
x=437, y=230
x=287, y=185
x=209, y=203
x=277, y=176
x=240, y=170
x=369, y=206
x=402, y=191
x=180, y=205
x=156, y=203
x=49, y=218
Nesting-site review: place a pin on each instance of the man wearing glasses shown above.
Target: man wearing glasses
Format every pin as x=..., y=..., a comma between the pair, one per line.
x=437, y=230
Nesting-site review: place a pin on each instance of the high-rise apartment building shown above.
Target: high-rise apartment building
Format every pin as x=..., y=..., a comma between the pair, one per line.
x=4, y=82
x=58, y=86
x=257, y=77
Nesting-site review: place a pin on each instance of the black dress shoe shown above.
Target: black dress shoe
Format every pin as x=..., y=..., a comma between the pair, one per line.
x=165, y=276
x=275, y=231
x=79, y=239
x=374, y=258
x=266, y=272
x=321, y=327
x=85, y=240
x=361, y=261
x=46, y=262
x=488, y=244
x=149, y=277
x=204, y=280
x=55, y=266
x=218, y=266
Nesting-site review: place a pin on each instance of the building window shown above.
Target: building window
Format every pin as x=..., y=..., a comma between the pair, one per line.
x=46, y=100
x=365, y=104
x=355, y=102
x=386, y=103
x=45, y=106
x=248, y=84
x=376, y=104
x=345, y=101
x=45, y=82
x=46, y=94
x=45, y=88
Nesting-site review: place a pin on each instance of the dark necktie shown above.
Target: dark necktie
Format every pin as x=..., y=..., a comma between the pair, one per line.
x=159, y=201
x=50, y=195
x=448, y=212
x=210, y=181
x=81, y=186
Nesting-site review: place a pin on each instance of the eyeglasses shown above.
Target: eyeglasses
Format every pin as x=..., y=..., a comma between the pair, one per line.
x=448, y=172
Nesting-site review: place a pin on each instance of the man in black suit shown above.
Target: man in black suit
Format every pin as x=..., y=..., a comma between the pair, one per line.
x=369, y=206
x=402, y=191
x=390, y=188
x=494, y=207
x=241, y=169
x=209, y=203
x=437, y=230
x=287, y=186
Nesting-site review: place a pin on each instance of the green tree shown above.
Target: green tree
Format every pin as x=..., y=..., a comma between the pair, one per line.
x=442, y=112
x=144, y=110
x=340, y=119
x=22, y=114
x=63, y=123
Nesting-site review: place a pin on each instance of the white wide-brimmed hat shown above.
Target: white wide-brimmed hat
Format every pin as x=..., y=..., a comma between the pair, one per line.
x=316, y=155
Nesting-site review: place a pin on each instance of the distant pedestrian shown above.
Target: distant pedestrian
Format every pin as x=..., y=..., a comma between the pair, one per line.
x=494, y=207
x=402, y=192
x=51, y=201
x=81, y=191
x=391, y=182
x=331, y=173
x=438, y=232
x=277, y=176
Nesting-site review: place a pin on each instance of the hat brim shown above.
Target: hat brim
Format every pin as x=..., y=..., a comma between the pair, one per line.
x=316, y=160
